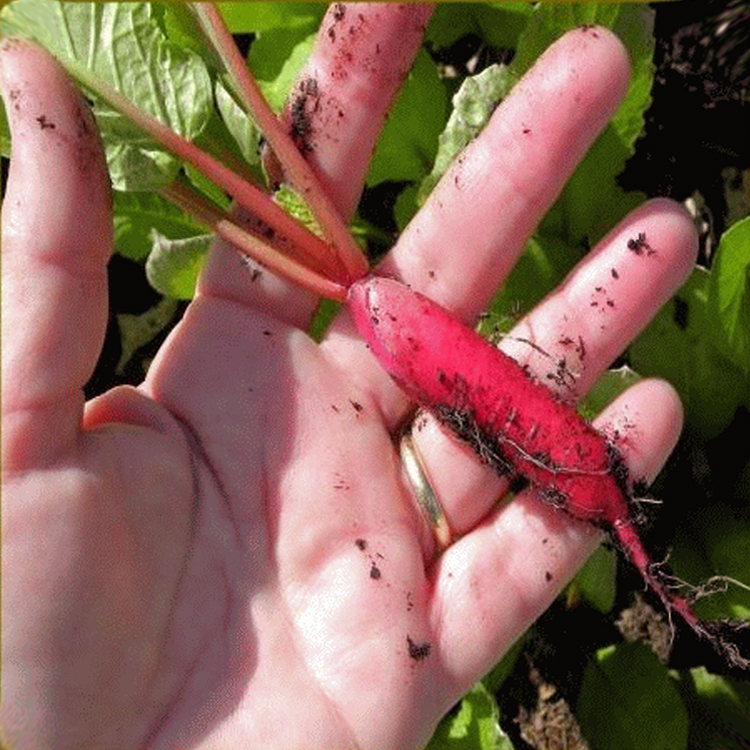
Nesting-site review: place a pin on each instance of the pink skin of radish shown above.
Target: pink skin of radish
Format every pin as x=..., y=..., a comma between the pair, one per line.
x=516, y=424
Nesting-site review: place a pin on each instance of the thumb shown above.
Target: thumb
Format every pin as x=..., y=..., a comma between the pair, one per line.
x=56, y=240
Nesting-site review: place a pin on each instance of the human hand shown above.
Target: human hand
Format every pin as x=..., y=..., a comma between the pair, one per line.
x=229, y=554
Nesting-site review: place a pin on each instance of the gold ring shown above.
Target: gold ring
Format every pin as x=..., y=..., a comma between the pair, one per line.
x=429, y=505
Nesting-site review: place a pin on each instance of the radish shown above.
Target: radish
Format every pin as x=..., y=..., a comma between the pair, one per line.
x=517, y=425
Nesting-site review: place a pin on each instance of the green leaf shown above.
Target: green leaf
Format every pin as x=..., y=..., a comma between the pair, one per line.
x=596, y=581
x=277, y=90
x=183, y=29
x=4, y=132
x=324, y=315
x=136, y=215
x=406, y=206
x=247, y=136
x=551, y=20
x=408, y=142
x=629, y=702
x=634, y=26
x=719, y=709
x=592, y=201
x=497, y=24
x=262, y=16
x=296, y=206
x=284, y=36
x=729, y=295
x=543, y=264
x=173, y=266
x=217, y=139
x=677, y=346
x=474, y=726
x=138, y=330
x=135, y=167
x=473, y=104
x=124, y=44
x=715, y=541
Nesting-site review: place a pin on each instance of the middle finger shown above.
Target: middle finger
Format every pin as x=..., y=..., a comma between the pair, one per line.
x=475, y=224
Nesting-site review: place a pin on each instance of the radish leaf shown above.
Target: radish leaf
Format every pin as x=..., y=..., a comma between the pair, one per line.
x=543, y=264
x=138, y=214
x=498, y=24
x=677, y=346
x=715, y=540
x=475, y=725
x=473, y=105
x=138, y=330
x=4, y=132
x=593, y=202
x=550, y=21
x=124, y=44
x=606, y=389
x=241, y=127
x=276, y=89
x=262, y=17
x=719, y=708
x=596, y=581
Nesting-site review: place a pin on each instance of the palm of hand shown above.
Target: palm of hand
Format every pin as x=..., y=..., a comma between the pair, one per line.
x=229, y=553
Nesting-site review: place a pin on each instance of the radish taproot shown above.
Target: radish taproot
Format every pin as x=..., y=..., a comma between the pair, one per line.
x=517, y=426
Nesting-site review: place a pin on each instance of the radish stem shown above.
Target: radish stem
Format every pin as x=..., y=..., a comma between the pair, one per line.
x=194, y=203
x=295, y=271
x=245, y=193
x=302, y=175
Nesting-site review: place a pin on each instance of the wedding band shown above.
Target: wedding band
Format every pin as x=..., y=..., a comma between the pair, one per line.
x=429, y=505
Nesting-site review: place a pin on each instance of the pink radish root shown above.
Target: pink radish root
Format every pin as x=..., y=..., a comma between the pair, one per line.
x=516, y=425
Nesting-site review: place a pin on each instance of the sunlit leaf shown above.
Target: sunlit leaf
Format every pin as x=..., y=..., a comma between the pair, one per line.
x=136, y=215
x=606, y=389
x=408, y=142
x=473, y=105
x=173, y=266
x=474, y=726
x=677, y=346
x=720, y=710
x=138, y=330
x=715, y=541
x=496, y=24
x=124, y=45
